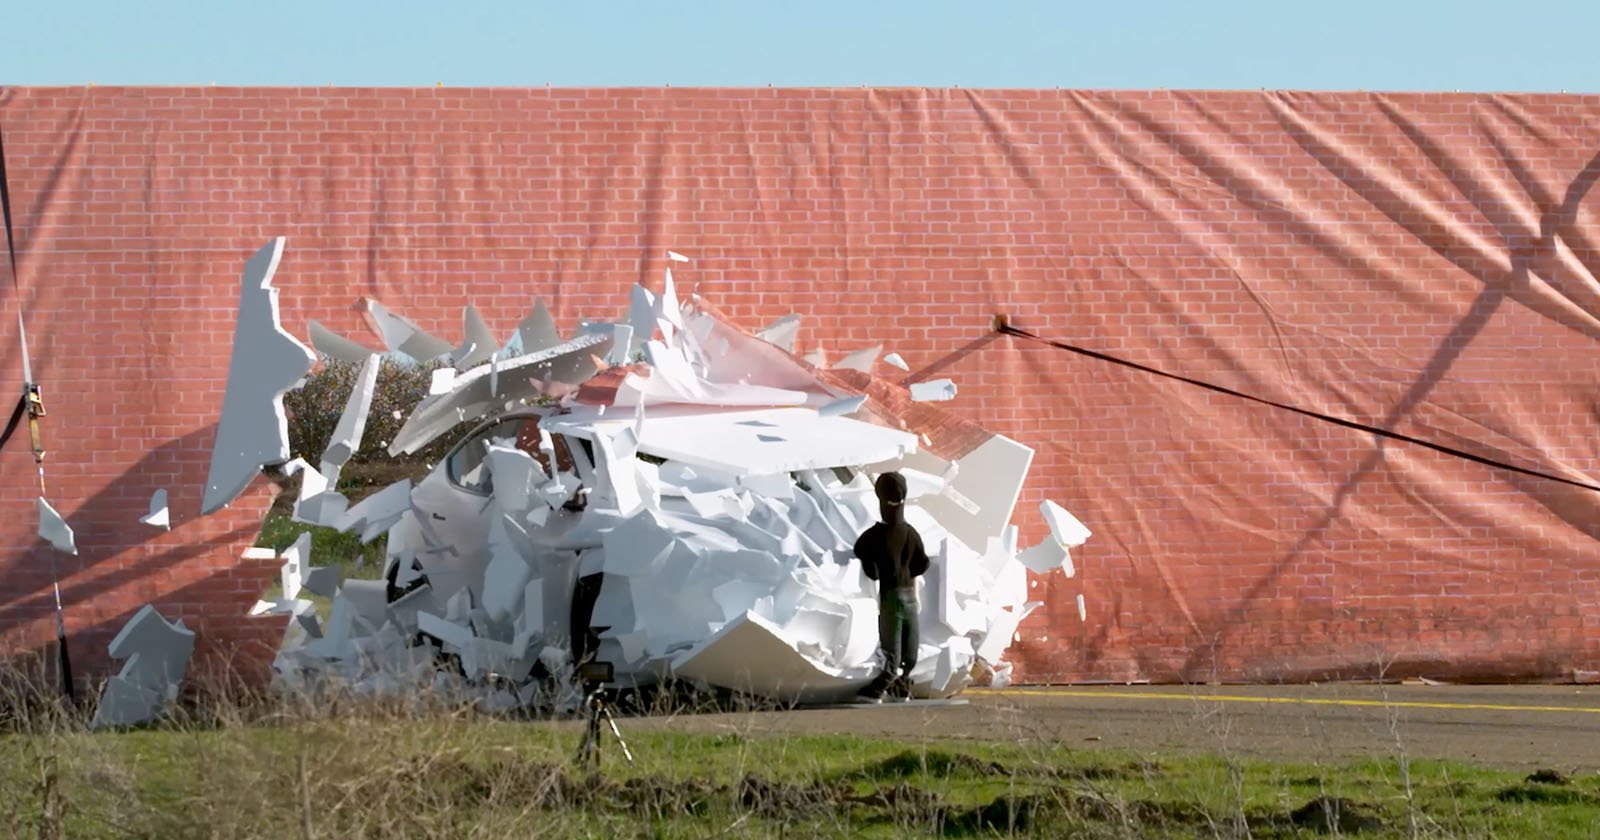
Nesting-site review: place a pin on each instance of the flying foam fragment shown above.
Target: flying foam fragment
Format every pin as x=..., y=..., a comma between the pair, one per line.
x=267, y=361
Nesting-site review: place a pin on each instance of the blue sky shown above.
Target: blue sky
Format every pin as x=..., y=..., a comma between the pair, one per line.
x=1329, y=45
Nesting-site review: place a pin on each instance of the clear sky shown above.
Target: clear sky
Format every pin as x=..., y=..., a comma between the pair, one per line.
x=1304, y=44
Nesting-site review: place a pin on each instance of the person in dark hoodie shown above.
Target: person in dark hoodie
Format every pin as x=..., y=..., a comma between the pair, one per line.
x=892, y=554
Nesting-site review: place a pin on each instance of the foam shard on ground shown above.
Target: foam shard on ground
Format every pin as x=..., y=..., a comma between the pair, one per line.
x=155, y=655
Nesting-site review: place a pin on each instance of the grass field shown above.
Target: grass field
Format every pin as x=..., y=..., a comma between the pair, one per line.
x=453, y=773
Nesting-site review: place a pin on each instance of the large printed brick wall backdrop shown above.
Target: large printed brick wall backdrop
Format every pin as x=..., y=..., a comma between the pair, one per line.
x=1420, y=262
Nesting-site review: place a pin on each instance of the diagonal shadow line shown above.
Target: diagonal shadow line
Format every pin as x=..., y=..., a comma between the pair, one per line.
x=950, y=358
x=1495, y=291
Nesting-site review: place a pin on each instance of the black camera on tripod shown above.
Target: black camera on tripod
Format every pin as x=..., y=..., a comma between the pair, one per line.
x=593, y=676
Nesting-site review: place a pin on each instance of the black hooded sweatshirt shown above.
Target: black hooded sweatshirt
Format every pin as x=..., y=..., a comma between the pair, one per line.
x=891, y=551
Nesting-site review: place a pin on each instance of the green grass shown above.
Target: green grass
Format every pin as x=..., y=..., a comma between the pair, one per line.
x=462, y=775
x=328, y=547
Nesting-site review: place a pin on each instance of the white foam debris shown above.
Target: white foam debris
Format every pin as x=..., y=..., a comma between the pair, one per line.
x=677, y=257
x=316, y=504
x=713, y=533
x=536, y=332
x=156, y=654
x=159, y=516
x=353, y=421
x=55, y=530
x=1064, y=527
x=441, y=381
x=267, y=361
x=894, y=359
x=861, y=360
x=842, y=407
x=478, y=342
x=782, y=332
x=937, y=390
x=1083, y=611
x=329, y=343
x=401, y=335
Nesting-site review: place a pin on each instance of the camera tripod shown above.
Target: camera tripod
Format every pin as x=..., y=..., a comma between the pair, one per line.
x=594, y=708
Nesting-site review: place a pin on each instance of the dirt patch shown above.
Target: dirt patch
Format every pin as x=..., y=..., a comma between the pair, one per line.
x=930, y=763
x=1546, y=795
x=1005, y=816
x=1335, y=815
x=1548, y=777
x=783, y=801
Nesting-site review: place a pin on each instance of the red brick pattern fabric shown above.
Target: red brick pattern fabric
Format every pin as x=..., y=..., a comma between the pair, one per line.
x=1421, y=262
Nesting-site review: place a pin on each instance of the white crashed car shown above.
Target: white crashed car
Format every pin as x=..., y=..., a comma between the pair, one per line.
x=696, y=509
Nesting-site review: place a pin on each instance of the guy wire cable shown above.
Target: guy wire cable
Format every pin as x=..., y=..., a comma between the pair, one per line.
x=1004, y=327
x=33, y=406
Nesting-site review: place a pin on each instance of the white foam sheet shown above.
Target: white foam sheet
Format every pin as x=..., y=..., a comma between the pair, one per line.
x=617, y=484
x=159, y=516
x=322, y=580
x=748, y=442
x=478, y=342
x=1002, y=630
x=267, y=361
x=568, y=363
x=641, y=316
x=673, y=380
x=156, y=655
x=453, y=635
x=402, y=335
x=1064, y=527
x=782, y=332
x=378, y=511
x=861, y=360
x=937, y=390
x=508, y=571
x=667, y=308
x=441, y=380
x=126, y=703
x=334, y=346
x=537, y=332
x=751, y=654
x=55, y=530
x=316, y=504
x=953, y=669
x=895, y=360
x=515, y=475
x=296, y=558
x=346, y=438
x=621, y=340
x=842, y=407
x=1047, y=556
x=734, y=356
x=637, y=546
x=991, y=475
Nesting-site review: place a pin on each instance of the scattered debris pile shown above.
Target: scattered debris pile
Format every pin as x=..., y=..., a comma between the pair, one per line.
x=155, y=654
x=667, y=493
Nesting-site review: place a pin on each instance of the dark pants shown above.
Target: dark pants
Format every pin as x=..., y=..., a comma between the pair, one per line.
x=584, y=638
x=897, y=631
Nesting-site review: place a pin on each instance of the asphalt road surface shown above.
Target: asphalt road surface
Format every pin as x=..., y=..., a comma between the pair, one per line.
x=1513, y=727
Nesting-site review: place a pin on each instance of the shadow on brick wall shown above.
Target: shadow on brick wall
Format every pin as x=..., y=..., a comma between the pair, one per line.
x=123, y=564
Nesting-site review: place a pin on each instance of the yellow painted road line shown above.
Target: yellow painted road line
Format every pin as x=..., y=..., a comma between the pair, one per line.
x=1306, y=701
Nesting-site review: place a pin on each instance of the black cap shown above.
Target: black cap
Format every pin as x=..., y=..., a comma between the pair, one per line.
x=891, y=487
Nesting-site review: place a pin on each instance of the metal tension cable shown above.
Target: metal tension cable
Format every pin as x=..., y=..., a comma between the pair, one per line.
x=1003, y=326
x=32, y=404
